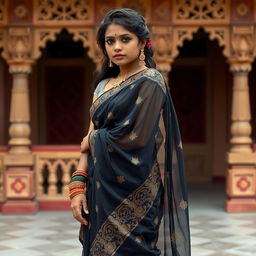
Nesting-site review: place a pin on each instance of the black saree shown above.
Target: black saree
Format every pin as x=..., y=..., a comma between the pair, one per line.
x=126, y=197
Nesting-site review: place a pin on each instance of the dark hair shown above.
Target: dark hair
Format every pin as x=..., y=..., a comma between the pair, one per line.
x=132, y=21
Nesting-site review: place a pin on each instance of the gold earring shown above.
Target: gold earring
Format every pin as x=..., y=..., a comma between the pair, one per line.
x=142, y=58
x=110, y=63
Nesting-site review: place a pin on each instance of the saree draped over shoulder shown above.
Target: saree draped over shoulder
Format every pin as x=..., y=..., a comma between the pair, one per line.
x=129, y=202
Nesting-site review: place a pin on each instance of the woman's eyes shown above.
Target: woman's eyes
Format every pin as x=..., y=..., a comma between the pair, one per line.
x=126, y=39
x=109, y=41
x=123, y=40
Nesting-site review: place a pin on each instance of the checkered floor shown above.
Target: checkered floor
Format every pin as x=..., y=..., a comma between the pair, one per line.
x=213, y=231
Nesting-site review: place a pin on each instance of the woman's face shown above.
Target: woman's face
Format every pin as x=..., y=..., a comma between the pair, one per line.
x=122, y=46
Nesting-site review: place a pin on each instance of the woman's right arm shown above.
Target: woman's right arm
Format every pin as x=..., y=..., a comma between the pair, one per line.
x=79, y=200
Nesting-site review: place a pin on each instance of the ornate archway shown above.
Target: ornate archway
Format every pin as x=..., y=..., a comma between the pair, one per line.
x=232, y=23
x=62, y=90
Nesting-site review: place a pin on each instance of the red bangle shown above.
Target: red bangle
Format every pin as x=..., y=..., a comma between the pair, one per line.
x=75, y=188
x=80, y=172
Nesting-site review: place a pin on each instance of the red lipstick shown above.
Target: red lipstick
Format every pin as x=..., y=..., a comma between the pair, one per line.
x=118, y=56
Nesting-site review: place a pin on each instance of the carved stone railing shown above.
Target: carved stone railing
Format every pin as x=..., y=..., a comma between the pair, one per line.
x=53, y=172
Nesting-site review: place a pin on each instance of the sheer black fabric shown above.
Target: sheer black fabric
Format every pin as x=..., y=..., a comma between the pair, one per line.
x=125, y=193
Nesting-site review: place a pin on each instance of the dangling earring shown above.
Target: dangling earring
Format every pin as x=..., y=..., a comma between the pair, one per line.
x=142, y=58
x=110, y=65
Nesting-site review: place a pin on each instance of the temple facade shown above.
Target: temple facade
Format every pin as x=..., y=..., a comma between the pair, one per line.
x=206, y=51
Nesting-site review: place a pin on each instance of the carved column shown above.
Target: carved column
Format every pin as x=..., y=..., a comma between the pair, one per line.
x=161, y=38
x=241, y=140
x=19, y=130
x=19, y=175
x=241, y=177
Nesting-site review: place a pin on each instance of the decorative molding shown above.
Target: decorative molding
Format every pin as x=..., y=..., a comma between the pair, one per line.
x=241, y=182
x=182, y=33
x=18, y=43
x=221, y=33
x=43, y=35
x=179, y=36
x=201, y=11
x=243, y=42
x=62, y=12
x=19, y=184
x=86, y=35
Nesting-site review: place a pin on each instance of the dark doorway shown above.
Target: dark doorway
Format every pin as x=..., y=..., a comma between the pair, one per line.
x=64, y=94
x=200, y=86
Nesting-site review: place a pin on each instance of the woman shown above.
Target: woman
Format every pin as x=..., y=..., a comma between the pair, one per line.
x=118, y=182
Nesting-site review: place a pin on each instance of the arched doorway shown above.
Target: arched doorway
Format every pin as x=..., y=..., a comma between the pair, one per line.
x=5, y=97
x=200, y=83
x=63, y=76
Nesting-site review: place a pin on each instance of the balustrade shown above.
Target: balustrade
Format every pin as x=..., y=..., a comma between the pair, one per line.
x=53, y=172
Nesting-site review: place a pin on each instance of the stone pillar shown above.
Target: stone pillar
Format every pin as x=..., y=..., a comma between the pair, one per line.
x=241, y=141
x=241, y=176
x=19, y=162
x=19, y=130
x=162, y=46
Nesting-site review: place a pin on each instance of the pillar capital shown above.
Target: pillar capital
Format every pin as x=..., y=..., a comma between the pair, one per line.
x=19, y=43
x=20, y=66
x=242, y=48
x=162, y=45
x=238, y=65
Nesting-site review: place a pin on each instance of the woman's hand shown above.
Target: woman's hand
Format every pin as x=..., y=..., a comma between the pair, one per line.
x=85, y=144
x=76, y=203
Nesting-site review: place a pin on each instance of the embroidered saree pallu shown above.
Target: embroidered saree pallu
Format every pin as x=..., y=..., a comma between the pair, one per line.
x=125, y=193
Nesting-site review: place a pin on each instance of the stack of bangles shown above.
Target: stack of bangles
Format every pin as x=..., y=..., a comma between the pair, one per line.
x=77, y=183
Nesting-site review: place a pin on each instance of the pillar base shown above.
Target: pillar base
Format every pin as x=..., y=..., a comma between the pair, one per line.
x=241, y=205
x=20, y=207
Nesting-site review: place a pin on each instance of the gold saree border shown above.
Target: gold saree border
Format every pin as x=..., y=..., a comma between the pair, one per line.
x=150, y=73
x=125, y=218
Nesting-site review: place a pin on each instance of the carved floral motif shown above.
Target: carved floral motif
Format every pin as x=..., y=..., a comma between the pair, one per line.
x=243, y=42
x=242, y=9
x=19, y=45
x=20, y=11
x=216, y=10
x=63, y=10
x=18, y=185
x=243, y=184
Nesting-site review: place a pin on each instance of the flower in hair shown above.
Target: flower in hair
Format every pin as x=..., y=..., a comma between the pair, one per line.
x=149, y=43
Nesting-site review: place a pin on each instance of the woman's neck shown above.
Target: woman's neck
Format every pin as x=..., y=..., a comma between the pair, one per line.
x=125, y=70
